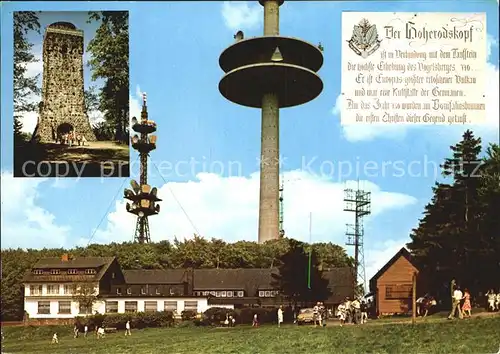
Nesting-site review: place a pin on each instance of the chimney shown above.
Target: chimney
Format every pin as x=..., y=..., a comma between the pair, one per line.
x=64, y=257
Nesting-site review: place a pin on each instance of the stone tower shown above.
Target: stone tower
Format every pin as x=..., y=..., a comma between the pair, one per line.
x=63, y=105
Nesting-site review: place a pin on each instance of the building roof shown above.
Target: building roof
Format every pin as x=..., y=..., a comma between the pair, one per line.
x=102, y=263
x=341, y=282
x=154, y=276
x=227, y=279
x=403, y=252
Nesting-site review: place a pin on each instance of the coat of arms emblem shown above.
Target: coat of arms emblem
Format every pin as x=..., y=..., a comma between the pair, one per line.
x=364, y=41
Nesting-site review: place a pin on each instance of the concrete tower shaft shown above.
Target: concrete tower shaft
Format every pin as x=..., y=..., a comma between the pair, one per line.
x=270, y=72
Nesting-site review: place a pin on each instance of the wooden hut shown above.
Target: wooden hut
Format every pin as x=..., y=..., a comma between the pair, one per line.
x=393, y=285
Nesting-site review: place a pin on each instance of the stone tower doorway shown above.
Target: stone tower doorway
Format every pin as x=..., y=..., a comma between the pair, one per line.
x=64, y=128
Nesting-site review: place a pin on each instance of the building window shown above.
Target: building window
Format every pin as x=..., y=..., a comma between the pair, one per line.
x=150, y=306
x=143, y=291
x=170, y=306
x=217, y=294
x=241, y=293
x=157, y=291
x=55, y=272
x=72, y=271
x=229, y=294
x=90, y=271
x=401, y=291
x=84, y=309
x=68, y=289
x=129, y=291
x=111, y=307
x=118, y=291
x=261, y=293
x=44, y=307
x=65, y=307
x=206, y=293
x=130, y=306
x=112, y=275
x=267, y=293
x=191, y=305
x=53, y=289
x=38, y=271
x=35, y=290
x=223, y=294
x=212, y=293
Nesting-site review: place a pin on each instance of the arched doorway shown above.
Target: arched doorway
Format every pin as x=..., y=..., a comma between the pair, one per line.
x=62, y=130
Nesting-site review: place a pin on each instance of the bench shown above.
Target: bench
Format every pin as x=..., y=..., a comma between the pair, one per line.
x=110, y=330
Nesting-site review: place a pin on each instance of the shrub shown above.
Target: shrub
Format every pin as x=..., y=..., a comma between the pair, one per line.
x=137, y=320
x=187, y=315
x=215, y=315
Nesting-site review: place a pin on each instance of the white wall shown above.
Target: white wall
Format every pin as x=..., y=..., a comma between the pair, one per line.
x=31, y=305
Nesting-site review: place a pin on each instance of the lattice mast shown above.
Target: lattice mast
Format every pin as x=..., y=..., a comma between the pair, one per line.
x=144, y=198
x=359, y=203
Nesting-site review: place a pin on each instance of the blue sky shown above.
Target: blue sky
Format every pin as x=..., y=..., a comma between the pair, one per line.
x=174, y=51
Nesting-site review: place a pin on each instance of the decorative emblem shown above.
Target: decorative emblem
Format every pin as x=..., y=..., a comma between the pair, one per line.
x=364, y=41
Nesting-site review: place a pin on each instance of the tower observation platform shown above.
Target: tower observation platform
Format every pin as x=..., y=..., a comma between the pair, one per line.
x=270, y=72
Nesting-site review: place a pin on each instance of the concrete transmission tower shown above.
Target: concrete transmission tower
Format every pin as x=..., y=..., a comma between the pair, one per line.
x=144, y=198
x=270, y=72
x=359, y=203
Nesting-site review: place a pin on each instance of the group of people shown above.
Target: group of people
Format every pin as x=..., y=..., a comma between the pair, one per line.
x=493, y=300
x=71, y=138
x=99, y=331
x=355, y=311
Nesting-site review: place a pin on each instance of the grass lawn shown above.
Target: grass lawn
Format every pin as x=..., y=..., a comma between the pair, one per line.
x=476, y=335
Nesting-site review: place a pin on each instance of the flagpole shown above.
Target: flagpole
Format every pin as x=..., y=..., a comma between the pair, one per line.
x=310, y=252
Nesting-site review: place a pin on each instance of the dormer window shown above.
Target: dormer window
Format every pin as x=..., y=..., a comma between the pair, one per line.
x=129, y=291
x=38, y=271
x=143, y=291
x=72, y=271
x=90, y=271
x=55, y=271
x=118, y=291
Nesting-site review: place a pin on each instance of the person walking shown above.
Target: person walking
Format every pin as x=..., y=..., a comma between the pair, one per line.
x=255, y=322
x=364, y=313
x=55, y=340
x=85, y=330
x=466, y=307
x=457, y=297
x=127, y=329
x=280, y=316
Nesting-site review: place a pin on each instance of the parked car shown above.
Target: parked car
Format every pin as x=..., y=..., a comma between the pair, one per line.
x=305, y=316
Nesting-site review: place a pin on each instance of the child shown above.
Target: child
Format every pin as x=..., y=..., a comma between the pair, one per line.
x=127, y=329
x=54, y=339
x=255, y=322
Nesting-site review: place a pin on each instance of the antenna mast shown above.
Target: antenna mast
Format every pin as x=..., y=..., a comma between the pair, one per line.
x=359, y=203
x=143, y=197
x=281, y=211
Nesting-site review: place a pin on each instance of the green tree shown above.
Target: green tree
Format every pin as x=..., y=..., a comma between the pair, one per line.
x=293, y=277
x=109, y=61
x=445, y=243
x=25, y=87
x=86, y=295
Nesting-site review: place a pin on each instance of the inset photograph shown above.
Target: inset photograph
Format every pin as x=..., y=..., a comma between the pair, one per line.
x=71, y=94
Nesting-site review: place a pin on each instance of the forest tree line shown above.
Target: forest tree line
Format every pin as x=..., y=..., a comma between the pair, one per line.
x=112, y=99
x=197, y=252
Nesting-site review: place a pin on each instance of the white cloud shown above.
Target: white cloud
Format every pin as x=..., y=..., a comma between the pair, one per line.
x=24, y=222
x=227, y=208
x=488, y=130
x=375, y=259
x=244, y=15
